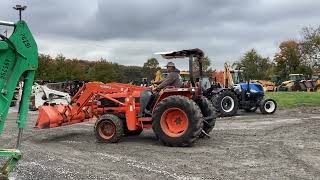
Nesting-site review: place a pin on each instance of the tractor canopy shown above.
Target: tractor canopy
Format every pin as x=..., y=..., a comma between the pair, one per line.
x=182, y=53
x=196, y=53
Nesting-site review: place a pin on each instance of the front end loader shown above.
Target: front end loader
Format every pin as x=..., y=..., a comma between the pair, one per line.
x=18, y=60
x=179, y=116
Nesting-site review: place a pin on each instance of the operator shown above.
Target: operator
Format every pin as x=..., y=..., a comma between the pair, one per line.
x=172, y=80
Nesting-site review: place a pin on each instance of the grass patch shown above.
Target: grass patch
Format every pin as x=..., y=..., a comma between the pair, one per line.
x=295, y=99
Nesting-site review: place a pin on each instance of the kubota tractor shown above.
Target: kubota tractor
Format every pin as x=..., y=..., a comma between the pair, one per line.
x=179, y=115
x=18, y=60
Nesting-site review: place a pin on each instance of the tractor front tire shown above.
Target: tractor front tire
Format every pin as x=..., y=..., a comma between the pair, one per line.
x=226, y=103
x=209, y=115
x=108, y=128
x=268, y=106
x=177, y=121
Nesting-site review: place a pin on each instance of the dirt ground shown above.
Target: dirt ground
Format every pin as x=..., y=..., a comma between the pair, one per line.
x=285, y=145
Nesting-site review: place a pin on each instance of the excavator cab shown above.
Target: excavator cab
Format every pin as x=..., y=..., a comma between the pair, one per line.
x=18, y=60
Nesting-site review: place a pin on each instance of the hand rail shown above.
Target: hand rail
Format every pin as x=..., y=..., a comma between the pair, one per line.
x=7, y=23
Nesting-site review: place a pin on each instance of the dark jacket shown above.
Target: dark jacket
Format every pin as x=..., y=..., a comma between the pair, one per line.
x=173, y=79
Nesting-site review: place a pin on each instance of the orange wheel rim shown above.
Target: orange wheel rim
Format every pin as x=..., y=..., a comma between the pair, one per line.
x=107, y=129
x=174, y=122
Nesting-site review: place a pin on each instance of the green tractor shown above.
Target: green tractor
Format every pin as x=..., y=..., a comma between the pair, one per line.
x=18, y=61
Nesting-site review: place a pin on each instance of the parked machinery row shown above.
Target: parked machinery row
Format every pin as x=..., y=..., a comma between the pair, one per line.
x=298, y=82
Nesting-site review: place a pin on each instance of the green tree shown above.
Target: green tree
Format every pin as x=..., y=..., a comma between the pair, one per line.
x=254, y=65
x=46, y=70
x=132, y=74
x=206, y=63
x=289, y=60
x=310, y=47
x=150, y=68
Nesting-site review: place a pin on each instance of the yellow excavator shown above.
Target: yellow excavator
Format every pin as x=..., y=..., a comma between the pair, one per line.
x=228, y=77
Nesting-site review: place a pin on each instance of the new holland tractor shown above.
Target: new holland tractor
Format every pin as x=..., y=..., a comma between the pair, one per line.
x=234, y=94
x=18, y=60
x=179, y=116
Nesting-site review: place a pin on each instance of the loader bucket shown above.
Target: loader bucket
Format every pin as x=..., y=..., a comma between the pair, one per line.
x=59, y=115
x=50, y=116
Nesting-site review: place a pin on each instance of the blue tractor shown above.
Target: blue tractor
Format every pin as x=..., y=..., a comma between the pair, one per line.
x=236, y=94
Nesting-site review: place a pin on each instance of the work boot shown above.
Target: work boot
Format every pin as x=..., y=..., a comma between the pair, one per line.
x=144, y=113
x=147, y=112
x=140, y=114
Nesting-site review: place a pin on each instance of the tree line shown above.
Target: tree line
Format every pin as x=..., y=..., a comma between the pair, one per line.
x=293, y=57
x=60, y=69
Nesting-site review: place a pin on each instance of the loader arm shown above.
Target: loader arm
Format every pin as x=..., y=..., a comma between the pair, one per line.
x=84, y=105
x=18, y=60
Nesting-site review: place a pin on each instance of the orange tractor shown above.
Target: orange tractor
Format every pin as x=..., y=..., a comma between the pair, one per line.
x=179, y=115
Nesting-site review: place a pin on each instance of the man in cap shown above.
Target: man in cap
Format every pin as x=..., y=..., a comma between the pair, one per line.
x=172, y=80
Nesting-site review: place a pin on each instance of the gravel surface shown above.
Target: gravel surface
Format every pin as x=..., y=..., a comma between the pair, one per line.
x=285, y=145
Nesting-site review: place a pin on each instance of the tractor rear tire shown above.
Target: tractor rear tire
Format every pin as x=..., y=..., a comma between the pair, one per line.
x=207, y=110
x=226, y=103
x=177, y=121
x=268, y=106
x=108, y=128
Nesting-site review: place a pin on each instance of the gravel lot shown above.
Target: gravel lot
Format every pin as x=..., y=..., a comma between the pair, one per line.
x=285, y=145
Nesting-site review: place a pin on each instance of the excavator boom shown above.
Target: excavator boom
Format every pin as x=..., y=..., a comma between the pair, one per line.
x=18, y=61
x=225, y=77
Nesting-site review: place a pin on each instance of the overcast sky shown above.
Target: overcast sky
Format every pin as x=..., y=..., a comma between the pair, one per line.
x=129, y=32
